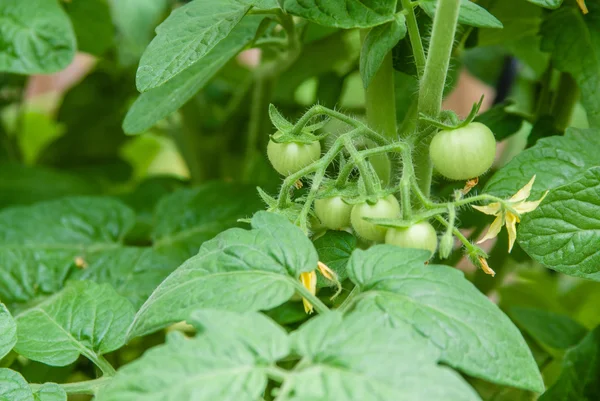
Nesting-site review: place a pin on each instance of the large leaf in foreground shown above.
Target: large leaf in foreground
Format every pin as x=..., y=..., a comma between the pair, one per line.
x=156, y=104
x=37, y=37
x=357, y=357
x=555, y=161
x=216, y=365
x=578, y=380
x=239, y=270
x=471, y=332
x=563, y=233
x=574, y=40
x=185, y=37
x=84, y=318
x=39, y=243
x=188, y=217
x=8, y=331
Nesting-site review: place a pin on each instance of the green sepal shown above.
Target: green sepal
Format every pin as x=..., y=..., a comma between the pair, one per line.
x=304, y=136
x=449, y=120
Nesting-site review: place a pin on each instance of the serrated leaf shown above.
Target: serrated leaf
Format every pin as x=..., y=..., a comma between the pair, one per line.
x=378, y=43
x=519, y=19
x=37, y=37
x=562, y=232
x=469, y=14
x=555, y=161
x=472, y=333
x=133, y=272
x=502, y=123
x=209, y=367
x=334, y=249
x=345, y=14
x=156, y=104
x=188, y=217
x=50, y=392
x=92, y=24
x=13, y=386
x=578, y=380
x=357, y=357
x=239, y=270
x=549, y=328
x=574, y=41
x=84, y=318
x=8, y=331
x=39, y=243
x=552, y=4
x=255, y=330
x=185, y=37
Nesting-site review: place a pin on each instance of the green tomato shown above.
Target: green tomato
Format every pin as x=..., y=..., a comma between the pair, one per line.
x=387, y=207
x=463, y=153
x=289, y=158
x=334, y=213
x=419, y=236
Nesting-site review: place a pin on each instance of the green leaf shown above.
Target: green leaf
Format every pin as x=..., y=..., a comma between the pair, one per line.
x=133, y=272
x=472, y=333
x=216, y=365
x=334, y=249
x=84, y=318
x=574, y=40
x=135, y=21
x=37, y=37
x=93, y=25
x=519, y=19
x=469, y=14
x=549, y=328
x=258, y=332
x=378, y=43
x=8, y=331
x=358, y=357
x=185, y=37
x=561, y=232
x=552, y=4
x=188, y=217
x=555, y=161
x=345, y=14
x=578, y=380
x=156, y=104
x=502, y=123
x=39, y=243
x=13, y=386
x=258, y=268
x=50, y=392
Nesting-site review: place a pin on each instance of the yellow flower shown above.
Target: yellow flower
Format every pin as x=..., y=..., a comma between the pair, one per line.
x=518, y=205
x=309, y=281
x=485, y=267
x=582, y=5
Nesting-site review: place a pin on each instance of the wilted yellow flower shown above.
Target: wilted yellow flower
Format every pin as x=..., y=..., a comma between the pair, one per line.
x=582, y=5
x=485, y=267
x=309, y=281
x=518, y=205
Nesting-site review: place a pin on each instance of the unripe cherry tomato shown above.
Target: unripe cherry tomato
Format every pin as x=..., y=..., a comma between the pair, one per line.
x=419, y=236
x=463, y=153
x=291, y=157
x=387, y=207
x=333, y=212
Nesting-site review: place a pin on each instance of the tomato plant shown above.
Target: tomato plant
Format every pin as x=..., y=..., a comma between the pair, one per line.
x=298, y=200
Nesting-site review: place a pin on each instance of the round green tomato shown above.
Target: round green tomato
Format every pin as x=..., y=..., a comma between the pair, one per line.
x=334, y=213
x=385, y=208
x=289, y=158
x=419, y=236
x=463, y=153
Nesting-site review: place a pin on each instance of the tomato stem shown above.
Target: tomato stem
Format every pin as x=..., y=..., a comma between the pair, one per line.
x=414, y=35
x=565, y=100
x=89, y=387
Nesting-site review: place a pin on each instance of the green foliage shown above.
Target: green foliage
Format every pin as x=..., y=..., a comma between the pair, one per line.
x=148, y=268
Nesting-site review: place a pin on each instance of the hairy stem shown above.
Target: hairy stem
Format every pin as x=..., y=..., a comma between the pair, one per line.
x=347, y=169
x=361, y=164
x=414, y=36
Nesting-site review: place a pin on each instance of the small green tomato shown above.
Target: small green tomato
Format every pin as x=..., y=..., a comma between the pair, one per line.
x=333, y=212
x=463, y=153
x=291, y=157
x=387, y=207
x=419, y=236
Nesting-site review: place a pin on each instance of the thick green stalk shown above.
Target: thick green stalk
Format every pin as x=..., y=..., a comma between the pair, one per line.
x=415, y=36
x=434, y=79
x=565, y=100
